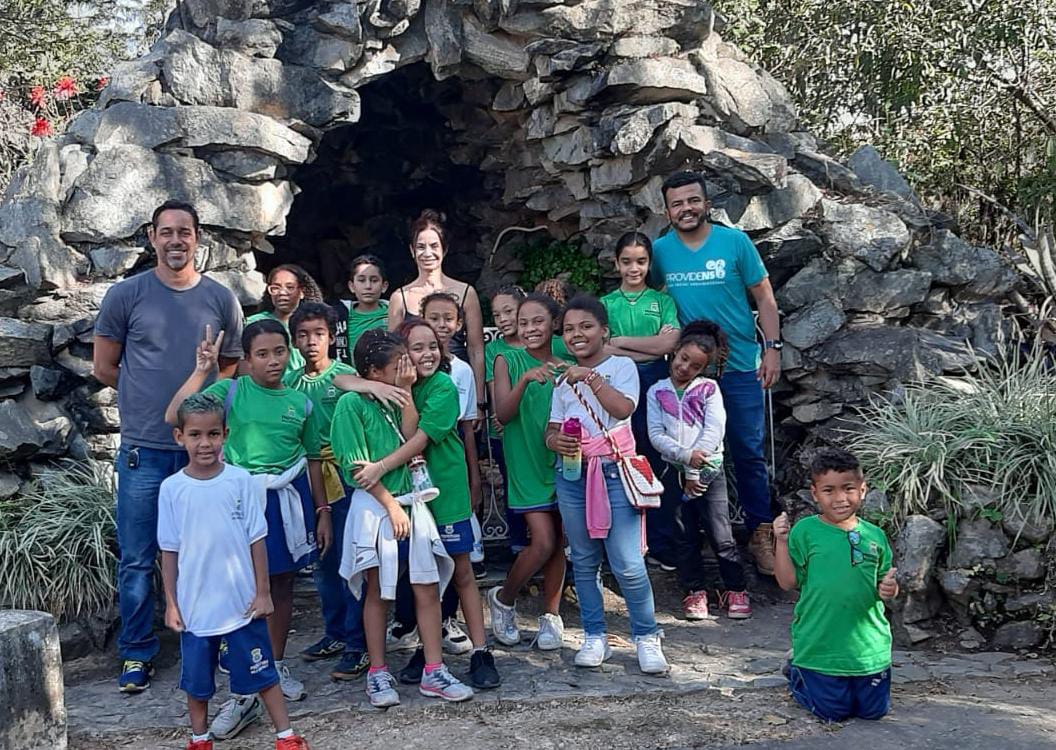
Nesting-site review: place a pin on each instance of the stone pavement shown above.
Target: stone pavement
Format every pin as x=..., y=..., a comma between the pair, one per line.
x=718, y=654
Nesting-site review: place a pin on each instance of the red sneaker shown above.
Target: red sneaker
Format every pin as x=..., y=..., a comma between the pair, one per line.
x=200, y=745
x=292, y=743
x=695, y=605
x=737, y=605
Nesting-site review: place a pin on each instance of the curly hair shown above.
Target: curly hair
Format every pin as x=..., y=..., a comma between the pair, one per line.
x=559, y=290
x=710, y=338
x=314, y=311
x=309, y=286
x=375, y=349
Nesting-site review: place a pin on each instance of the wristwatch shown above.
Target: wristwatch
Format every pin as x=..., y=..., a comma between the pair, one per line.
x=775, y=344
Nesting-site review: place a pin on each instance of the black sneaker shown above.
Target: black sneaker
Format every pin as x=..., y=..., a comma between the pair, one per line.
x=352, y=665
x=480, y=571
x=482, y=672
x=325, y=648
x=412, y=673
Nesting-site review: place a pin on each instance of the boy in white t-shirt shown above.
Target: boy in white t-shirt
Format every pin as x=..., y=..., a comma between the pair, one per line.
x=211, y=532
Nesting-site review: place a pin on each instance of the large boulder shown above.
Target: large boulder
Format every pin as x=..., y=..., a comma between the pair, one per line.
x=23, y=344
x=874, y=171
x=904, y=352
x=953, y=262
x=197, y=73
x=916, y=551
x=872, y=235
x=978, y=541
x=32, y=712
x=123, y=184
x=811, y=325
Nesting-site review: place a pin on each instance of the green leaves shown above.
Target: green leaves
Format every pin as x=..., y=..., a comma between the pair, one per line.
x=564, y=260
x=57, y=543
x=994, y=429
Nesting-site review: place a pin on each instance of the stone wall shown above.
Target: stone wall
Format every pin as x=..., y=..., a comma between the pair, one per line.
x=572, y=110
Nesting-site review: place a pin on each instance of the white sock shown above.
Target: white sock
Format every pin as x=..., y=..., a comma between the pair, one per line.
x=284, y=734
x=477, y=649
x=200, y=737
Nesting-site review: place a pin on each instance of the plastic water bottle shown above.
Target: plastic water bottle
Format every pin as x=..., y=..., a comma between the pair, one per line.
x=421, y=482
x=572, y=466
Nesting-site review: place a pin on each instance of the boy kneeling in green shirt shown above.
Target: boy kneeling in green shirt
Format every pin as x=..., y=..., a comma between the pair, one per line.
x=841, y=639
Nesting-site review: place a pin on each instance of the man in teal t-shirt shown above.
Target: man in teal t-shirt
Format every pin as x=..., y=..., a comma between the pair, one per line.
x=710, y=270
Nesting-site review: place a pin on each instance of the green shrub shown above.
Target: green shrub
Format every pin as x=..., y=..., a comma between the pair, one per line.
x=564, y=260
x=994, y=429
x=57, y=543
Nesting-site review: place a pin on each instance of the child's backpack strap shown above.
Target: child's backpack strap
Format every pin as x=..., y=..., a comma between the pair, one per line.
x=230, y=397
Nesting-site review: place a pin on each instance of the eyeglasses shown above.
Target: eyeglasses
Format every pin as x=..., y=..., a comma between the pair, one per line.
x=855, y=539
x=276, y=288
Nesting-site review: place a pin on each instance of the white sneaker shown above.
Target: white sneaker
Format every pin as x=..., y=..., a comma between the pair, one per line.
x=440, y=683
x=551, y=634
x=455, y=639
x=292, y=688
x=405, y=642
x=235, y=715
x=650, y=656
x=594, y=652
x=381, y=689
x=503, y=619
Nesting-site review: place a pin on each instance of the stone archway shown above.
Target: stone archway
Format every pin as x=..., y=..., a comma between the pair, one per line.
x=569, y=114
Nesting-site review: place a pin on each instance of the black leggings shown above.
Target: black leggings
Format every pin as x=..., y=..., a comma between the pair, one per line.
x=404, y=609
x=698, y=520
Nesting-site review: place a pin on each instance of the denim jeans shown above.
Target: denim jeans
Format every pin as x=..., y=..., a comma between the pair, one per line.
x=700, y=520
x=623, y=546
x=342, y=612
x=742, y=394
x=140, y=472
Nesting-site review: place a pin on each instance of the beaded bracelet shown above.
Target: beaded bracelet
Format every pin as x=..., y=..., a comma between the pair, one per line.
x=591, y=379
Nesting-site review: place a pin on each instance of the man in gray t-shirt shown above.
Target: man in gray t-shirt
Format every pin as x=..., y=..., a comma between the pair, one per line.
x=146, y=335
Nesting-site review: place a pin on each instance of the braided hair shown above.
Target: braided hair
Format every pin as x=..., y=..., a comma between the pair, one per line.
x=710, y=338
x=375, y=349
x=509, y=290
x=309, y=287
x=413, y=321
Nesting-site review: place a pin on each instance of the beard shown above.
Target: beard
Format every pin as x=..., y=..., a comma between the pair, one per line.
x=176, y=260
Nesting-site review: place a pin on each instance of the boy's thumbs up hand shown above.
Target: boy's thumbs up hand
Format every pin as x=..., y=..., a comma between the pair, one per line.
x=888, y=587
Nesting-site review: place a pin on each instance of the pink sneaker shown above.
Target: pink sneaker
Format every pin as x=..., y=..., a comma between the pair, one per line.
x=695, y=605
x=737, y=606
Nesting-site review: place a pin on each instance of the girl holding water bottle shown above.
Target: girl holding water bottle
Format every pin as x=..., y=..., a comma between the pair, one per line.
x=687, y=424
x=601, y=392
x=524, y=384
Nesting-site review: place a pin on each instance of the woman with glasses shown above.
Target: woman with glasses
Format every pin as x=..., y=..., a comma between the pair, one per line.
x=288, y=287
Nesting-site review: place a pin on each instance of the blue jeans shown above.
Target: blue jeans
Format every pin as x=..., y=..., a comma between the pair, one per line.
x=342, y=612
x=623, y=546
x=742, y=395
x=833, y=698
x=140, y=472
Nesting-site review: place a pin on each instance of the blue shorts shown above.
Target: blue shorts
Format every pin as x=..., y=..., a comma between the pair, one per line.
x=279, y=558
x=457, y=537
x=248, y=657
x=833, y=698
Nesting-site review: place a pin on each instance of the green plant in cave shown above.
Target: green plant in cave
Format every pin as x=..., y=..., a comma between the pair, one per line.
x=57, y=543
x=559, y=259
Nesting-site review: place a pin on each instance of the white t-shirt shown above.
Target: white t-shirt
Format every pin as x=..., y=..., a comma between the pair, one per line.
x=211, y=524
x=619, y=372
x=466, y=384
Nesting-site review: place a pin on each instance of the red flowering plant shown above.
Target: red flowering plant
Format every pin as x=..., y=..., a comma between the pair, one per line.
x=53, y=106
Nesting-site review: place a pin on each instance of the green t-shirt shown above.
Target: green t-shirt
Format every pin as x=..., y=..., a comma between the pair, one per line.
x=357, y=417
x=271, y=429
x=321, y=392
x=436, y=399
x=529, y=463
x=491, y=350
x=557, y=346
x=839, y=627
x=360, y=322
x=296, y=361
x=643, y=314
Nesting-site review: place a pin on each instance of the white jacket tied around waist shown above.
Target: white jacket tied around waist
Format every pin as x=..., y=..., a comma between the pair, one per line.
x=696, y=421
x=370, y=543
x=293, y=524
